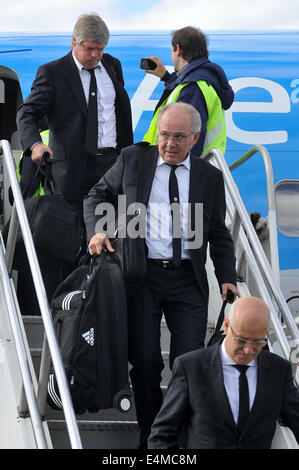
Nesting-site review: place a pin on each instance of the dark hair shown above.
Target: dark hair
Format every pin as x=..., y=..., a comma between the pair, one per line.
x=192, y=41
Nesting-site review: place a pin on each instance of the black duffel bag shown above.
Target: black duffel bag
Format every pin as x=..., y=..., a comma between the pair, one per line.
x=55, y=227
x=54, y=224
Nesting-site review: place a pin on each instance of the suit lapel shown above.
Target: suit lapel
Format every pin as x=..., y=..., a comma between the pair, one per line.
x=197, y=186
x=263, y=383
x=214, y=372
x=119, y=89
x=198, y=169
x=74, y=80
x=145, y=173
x=111, y=73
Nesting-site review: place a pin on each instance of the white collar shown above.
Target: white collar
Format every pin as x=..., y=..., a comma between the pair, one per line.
x=80, y=66
x=186, y=162
x=227, y=360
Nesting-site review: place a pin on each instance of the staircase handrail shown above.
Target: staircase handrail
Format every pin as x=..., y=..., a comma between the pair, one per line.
x=272, y=220
x=256, y=248
x=42, y=298
x=37, y=425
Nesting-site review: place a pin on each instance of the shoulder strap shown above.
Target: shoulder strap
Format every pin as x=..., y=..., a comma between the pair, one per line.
x=229, y=299
x=44, y=169
x=221, y=317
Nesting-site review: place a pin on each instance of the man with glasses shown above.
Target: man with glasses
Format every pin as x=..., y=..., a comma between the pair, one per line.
x=182, y=198
x=230, y=395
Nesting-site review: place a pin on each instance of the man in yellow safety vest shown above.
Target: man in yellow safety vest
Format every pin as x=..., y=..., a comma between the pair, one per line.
x=197, y=81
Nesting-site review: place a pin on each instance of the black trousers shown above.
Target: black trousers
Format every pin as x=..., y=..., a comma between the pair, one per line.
x=97, y=166
x=175, y=293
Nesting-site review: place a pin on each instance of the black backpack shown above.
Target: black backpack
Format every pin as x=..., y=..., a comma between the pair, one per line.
x=90, y=318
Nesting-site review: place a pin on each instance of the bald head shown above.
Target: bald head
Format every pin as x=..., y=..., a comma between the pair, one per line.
x=250, y=310
x=248, y=319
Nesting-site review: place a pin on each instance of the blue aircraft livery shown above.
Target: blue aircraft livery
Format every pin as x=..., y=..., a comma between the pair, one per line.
x=262, y=68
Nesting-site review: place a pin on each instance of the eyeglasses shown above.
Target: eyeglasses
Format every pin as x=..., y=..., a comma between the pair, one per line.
x=177, y=138
x=258, y=343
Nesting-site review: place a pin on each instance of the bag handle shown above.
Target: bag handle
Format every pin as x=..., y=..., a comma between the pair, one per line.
x=229, y=299
x=44, y=169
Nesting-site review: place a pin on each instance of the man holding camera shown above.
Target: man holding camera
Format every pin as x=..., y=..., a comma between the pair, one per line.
x=196, y=81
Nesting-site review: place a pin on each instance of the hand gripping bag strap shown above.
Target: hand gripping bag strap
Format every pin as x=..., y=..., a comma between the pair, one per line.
x=218, y=334
x=46, y=172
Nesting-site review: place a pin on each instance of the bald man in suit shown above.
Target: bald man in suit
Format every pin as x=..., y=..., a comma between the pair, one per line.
x=206, y=396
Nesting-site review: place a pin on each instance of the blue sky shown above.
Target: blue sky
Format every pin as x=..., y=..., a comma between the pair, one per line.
x=135, y=6
x=60, y=15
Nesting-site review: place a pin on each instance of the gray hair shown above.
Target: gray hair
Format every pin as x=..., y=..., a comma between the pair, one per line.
x=195, y=116
x=90, y=27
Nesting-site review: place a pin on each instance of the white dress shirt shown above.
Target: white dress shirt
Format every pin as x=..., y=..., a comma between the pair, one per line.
x=159, y=219
x=231, y=381
x=106, y=102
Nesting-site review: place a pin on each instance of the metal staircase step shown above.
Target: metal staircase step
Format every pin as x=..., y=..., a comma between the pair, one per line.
x=97, y=434
x=34, y=330
x=106, y=429
x=112, y=414
x=166, y=373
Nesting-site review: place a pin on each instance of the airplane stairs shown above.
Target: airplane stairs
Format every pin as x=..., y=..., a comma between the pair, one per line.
x=28, y=343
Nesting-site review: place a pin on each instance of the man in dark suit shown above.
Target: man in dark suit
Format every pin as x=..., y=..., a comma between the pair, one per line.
x=206, y=395
x=60, y=92
x=168, y=277
x=83, y=142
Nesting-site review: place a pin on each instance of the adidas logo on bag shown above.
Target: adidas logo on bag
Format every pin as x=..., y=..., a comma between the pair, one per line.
x=89, y=336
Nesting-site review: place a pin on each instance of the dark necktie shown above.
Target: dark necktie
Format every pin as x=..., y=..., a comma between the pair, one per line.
x=91, y=139
x=243, y=397
x=176, y=221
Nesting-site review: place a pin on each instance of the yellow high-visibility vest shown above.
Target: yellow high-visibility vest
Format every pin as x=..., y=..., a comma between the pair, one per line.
x=45, y=139
x=216, y=129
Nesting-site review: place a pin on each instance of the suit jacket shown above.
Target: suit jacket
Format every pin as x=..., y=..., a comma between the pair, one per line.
x=197, y=398
x=132, y=175
x=57, y=94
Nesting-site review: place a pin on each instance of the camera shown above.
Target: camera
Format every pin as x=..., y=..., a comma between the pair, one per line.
x=147, y=64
